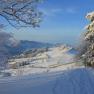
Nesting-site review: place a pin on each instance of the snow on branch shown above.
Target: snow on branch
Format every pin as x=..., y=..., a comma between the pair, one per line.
x=21, y=12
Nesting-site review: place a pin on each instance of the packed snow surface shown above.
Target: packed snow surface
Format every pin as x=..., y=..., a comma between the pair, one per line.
x=76, y=81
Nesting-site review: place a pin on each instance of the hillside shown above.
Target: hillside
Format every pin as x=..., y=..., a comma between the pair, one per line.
x=36, y=61
x=7, y=51
x=25, y=45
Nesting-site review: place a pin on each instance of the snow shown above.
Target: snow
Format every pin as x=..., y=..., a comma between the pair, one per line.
x=76, y=81
x=38, y=69
x=53, y=60
x=90, y=15
x=52, y=72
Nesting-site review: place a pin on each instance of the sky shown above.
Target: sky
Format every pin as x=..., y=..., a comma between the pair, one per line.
x=63, y=22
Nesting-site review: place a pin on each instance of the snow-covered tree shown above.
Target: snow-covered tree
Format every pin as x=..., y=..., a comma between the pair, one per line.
x=20, y=12
x=88, y=49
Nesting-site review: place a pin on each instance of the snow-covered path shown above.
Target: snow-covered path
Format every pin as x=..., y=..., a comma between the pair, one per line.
x=78, y=81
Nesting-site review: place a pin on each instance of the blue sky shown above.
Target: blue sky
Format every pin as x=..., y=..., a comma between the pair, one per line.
x=63, y=22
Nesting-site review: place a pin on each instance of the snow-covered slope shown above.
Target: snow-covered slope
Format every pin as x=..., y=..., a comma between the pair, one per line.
x=55, y=59
x=78, y=81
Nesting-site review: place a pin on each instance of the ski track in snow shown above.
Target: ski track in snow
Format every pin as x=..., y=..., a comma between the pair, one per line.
x=78, y=81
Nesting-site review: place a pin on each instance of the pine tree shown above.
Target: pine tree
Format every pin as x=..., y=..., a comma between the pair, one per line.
x=88, y=55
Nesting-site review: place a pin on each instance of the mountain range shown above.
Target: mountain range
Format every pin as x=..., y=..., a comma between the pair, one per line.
x=7, y=51
x=25, y=45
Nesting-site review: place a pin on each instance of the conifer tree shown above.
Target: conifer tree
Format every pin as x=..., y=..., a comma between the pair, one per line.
x=88, y=54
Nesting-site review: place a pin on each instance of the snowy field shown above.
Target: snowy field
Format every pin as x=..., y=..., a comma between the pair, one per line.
x=77, y=81
x=52, y=76
x=53, y=60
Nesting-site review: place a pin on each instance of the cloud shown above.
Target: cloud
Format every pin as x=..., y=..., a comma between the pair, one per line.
x=6, y=40
x=71, y=10
x=57, y=11
x=52, y=12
